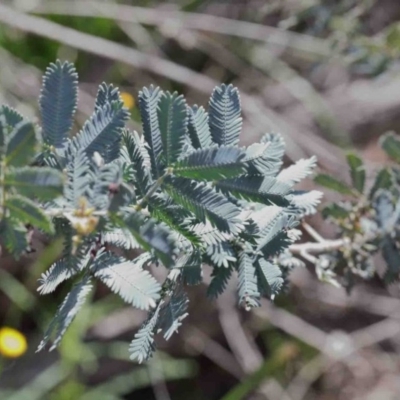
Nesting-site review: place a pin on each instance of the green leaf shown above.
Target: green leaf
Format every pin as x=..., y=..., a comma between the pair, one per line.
x=298, y=171
x=335, y=211
x=220, y=255
x=390, y=253
x=390, y=143
x=383, y=180
x=26, y=211
x=357, y=171
x=14, y=237
x=273, y=236
x=78, y=178
x=128, y=279
x=257, y=188
x=3, y=136
x=248, y=287
x=225, y=115
x=142, y=346
x=66, y=313
x=172, y=117
x=305, y=202
x=148, y=100
x=190, y=268
x=133, y=152
x=163, y=209
x=102, y=132
x=270, y=279
x=107, y=94
x=150, y=235
x=205, y=203
x=43, y=183
x=198, y=129
x=172, y=313
x=265, y=158
x=219, y=280
x=12, y=117
x=211, y=163
x=58, y=102
x=333, y=184
x=22, y=145
x=59, y=272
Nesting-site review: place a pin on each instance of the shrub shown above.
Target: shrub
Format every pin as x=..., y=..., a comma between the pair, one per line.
x=184, y=194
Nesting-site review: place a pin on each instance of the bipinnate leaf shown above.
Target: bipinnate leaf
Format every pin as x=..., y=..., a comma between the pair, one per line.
x=270, y=279
x=198, y=129
x=102, y=132
x=27, y=211
x=172, y=118
x=249, y=296
x=298, y=171
x=211, y=163
x=58, y=101
x=142, y=346
x=256, y=188
x=59, y=272
x=106, y=94
x=43, y=183
x=148, y=101
x=173, y=313
x=205, y=203
x=128, y=279
x=11, y=117
x=225, y=115
x=66, y=313
x=22, y=144
x=219, y=280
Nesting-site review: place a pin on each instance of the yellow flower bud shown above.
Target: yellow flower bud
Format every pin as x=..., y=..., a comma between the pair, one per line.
x=128, y=100
x=12, y=343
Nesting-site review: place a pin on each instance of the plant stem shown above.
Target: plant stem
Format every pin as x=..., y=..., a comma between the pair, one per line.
x=153, y=189
x=317, y=247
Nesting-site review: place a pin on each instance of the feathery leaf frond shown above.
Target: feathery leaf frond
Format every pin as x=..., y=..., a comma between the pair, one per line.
x=269, y=276
x=219, y=280
x=58, y=102
x=224, y=115
x=198, y=128
x=27, y=211
x=298, y=171
x=211, y=163
x=256, y=188
x=106, y=94
x=173, y=313
x=148, y=100
x=172, y=118
x=65, y=314
x=204, y=202
x=102, y=132
x=128, y=279
x=43, y=183
x=248, y=286
x=142, y=346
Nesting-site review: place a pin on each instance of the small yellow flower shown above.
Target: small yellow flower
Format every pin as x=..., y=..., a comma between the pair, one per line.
x=12, y=343
x=128, y=100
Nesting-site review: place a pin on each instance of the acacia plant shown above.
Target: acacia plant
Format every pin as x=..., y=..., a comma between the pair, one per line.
x=183, y=193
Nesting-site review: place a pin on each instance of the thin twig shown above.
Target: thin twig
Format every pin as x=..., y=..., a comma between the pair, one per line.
x=177, y=20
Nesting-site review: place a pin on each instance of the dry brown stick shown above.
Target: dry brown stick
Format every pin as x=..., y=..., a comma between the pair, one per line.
x=176, y=20
x=253, y=108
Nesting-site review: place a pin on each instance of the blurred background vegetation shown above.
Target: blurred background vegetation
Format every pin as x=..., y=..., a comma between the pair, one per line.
x=325, y=74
